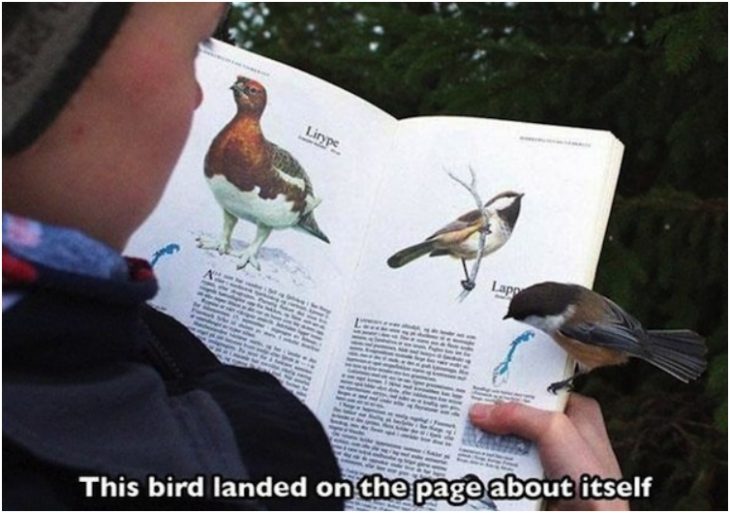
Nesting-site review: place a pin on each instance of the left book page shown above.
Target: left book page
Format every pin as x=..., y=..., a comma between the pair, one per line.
x=257, y=236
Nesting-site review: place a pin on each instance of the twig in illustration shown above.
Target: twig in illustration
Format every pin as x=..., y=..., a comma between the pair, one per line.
x=470, y=282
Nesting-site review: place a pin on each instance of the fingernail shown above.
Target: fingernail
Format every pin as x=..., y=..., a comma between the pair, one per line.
x=480, y=411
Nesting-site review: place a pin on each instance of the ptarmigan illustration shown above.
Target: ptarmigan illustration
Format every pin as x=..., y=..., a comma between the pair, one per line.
x=256, y=180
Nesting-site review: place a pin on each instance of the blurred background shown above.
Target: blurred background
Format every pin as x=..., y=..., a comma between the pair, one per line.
x=653, y=74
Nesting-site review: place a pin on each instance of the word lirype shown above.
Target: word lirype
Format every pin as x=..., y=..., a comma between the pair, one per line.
x=321, y=139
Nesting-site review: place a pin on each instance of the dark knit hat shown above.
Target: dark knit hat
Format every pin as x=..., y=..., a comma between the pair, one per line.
x=48, y=48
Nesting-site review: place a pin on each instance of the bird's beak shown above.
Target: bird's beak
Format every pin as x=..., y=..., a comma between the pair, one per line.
x=507, y=316
x=238, y=89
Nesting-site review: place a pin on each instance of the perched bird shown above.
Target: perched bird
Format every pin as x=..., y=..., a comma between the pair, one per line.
x=254, y=179
x=596, y=332
x=460, y=239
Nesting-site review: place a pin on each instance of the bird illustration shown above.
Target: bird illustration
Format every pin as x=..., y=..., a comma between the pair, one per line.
x=596, y=332
x=460, y=239
x=254, y=179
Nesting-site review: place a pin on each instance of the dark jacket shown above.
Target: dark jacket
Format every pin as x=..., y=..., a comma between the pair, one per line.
x=97, y=384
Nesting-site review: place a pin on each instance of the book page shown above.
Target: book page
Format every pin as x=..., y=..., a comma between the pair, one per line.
x=415, y=357
x=268, y=293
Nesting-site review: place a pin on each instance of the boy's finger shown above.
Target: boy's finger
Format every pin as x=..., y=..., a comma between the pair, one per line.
x=562, y=449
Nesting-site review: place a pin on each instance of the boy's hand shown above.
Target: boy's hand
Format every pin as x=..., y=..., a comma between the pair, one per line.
x=571, y=443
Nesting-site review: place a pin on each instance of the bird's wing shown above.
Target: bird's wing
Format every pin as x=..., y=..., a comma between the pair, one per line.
x=620, y=316
x=283, y=161
x=468, y=223
x=619, y=331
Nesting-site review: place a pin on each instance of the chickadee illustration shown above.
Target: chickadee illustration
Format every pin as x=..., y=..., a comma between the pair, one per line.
x=596, y=332
x=460, y=239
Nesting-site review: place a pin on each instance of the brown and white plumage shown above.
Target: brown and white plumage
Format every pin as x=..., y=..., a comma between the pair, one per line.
x=597, y=332
x=460, y=238
x=254, y=179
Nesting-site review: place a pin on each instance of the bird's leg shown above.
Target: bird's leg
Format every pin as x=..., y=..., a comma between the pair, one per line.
x=224, y=244
x=463, y=265
x=248, y=255
x=468, y=284
x=229, y=222
x=553, y=388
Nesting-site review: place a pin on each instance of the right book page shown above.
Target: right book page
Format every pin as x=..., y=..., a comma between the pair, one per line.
x=413, y=356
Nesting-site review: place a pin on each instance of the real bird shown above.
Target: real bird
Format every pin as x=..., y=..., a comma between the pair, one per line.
x=460, y=239
x=254, y=179
x=597, y=332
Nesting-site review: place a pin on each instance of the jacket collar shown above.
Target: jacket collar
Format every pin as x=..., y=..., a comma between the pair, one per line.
x=38, y=255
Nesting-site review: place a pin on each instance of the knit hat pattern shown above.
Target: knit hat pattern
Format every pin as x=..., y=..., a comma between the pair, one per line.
x=48, y=49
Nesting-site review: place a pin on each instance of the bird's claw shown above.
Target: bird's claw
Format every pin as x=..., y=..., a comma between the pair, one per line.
x=556, y=387
x=253, y=261
x=468, y=284
x=220, y=246
x=248, y=258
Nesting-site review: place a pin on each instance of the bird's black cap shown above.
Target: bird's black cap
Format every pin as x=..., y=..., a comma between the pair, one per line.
x=548, y=298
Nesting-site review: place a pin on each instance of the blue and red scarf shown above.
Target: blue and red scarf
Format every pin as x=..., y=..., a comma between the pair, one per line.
x=46, y=256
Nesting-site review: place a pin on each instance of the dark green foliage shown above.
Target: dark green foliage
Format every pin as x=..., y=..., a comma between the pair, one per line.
x=653, y=74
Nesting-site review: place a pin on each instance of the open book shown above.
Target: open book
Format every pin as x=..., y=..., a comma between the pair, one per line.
x=317, y=237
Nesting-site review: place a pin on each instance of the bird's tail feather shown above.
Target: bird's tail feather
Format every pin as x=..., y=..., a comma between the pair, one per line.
x=409, y=254
x=680, y=353
x=309, y=225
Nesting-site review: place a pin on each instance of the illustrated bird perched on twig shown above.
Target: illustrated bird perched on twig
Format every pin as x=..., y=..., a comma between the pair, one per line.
x=597, y=332
x=460, y=239
x=254, y=179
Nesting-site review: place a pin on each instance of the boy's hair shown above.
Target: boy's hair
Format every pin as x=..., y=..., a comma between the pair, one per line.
x=48, y=48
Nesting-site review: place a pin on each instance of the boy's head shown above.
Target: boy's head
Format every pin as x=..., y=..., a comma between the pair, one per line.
x=101, y=163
